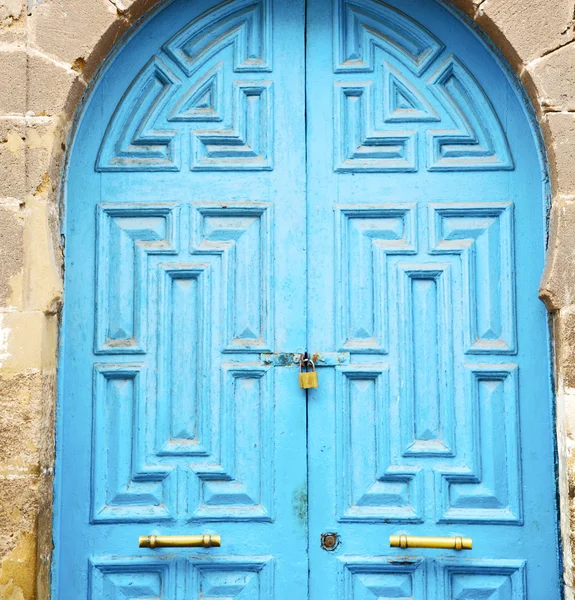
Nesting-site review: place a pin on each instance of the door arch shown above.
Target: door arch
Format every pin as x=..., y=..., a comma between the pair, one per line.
x=238, y=193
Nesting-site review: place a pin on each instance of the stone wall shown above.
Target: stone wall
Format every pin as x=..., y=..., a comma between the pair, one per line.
x=48, y=53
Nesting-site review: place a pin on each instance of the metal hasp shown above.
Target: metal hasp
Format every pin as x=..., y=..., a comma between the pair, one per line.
x=179, y=541
x=413, y=541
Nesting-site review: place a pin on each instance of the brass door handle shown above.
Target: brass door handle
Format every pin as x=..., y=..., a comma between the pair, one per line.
x=414, y=541
x=179, y=541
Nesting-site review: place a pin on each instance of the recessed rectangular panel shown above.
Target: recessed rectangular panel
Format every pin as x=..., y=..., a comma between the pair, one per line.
x=365, y=236
x=482, y=234
x=367, y=577
x=231, y=577
x=494, y=579
x=240, y=233
x=488, y=490
x=424, y=321
x=242, y=487
x=185, y=313
x=126, y=234
x=371, y=487
x=132, y=578
x=124, y=487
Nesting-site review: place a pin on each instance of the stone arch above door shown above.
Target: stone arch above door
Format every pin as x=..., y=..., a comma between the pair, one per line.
x=49, y=56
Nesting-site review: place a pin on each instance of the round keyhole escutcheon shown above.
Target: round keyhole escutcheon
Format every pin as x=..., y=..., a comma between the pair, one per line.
x=330, y=541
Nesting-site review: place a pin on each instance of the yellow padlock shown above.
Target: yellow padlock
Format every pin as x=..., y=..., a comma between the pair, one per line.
x=307, y=379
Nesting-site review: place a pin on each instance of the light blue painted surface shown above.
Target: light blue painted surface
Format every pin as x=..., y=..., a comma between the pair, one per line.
x=235, y=190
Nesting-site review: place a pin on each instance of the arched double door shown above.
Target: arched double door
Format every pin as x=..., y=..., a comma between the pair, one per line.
x=253, y=179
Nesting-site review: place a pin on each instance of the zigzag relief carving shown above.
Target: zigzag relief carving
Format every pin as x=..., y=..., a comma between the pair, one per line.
x=229, y=122
x=379, y=577
x=488, y=488
x=241, y=485
x=247, y=144
x=381, y=123
x=478, y=141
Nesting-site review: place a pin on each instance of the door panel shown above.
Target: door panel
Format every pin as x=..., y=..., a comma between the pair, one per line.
x=427, y=219
x=177, y=281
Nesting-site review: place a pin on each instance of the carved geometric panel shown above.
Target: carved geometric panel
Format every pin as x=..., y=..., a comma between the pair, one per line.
x=124, y=487
x=227, y=123
x=488, y=489
x=370, y=578
x=183, y=435
x=200, y=577
x=239, y=232
x=232, y=578
x=134, y=139
x=381, y=121
x=247, y=143
x=482, y=234
x=241, y=485
x=183, y=339
x=361, y=26
x=365, y=236
x=426, y=410
x=426, y=359
x=126, y=235
x=485, y=579
x=133, y=578
x=244, y=24
x=374, y=487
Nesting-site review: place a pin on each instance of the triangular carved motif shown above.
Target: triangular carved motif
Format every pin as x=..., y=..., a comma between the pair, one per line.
x=203, y=101
x=403, y=102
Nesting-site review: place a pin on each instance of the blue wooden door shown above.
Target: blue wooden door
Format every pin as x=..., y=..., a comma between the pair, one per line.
x=186, y=185
x=426, y=246
x=256, y=178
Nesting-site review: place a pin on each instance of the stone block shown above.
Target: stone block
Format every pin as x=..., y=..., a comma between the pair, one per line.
x=21, y=423
x=42, y=285
x=12, y=158
x=70, y=29
x=527, y=29
x=12, y=264
x=559, y=130
x=11, y=10
x=557, y=289
x=13, y=78
x=43, y=139
x=18, y=543
x=554, y=78
x=22, y=340
x=565, y=365
x=50, y=85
